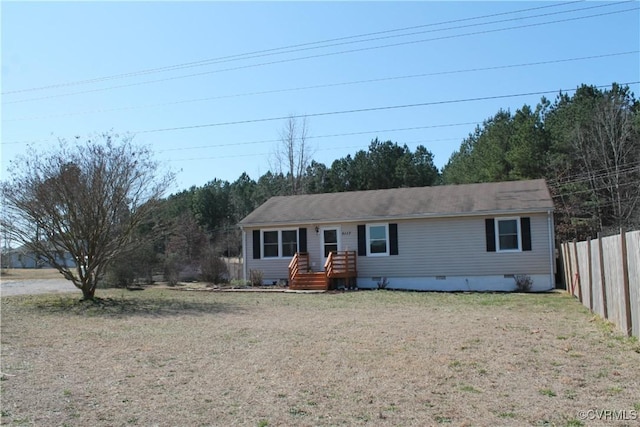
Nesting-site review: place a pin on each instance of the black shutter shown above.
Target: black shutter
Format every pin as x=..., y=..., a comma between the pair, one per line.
x=393, y=239
x=302, y=238
x=490, y=228
x=256, y=244
x=362, y=241
x=525, y=227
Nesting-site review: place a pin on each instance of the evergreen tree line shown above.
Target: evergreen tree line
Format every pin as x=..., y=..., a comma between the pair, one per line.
x=587, y=147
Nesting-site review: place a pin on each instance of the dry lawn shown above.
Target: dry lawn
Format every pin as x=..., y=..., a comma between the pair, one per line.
x=175, y=358
x=29, y=274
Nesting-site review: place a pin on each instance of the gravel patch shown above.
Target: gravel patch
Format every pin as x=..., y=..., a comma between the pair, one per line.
x=37, y=286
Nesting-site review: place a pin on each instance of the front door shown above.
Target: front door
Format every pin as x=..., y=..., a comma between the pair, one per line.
x=330, y=241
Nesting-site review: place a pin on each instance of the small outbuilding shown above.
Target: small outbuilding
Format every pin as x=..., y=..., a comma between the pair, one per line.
x=472, y=237
x=23, y=257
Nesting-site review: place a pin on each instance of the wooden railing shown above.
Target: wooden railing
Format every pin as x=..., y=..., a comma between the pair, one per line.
x=342, y=264
x=299, y=264
x=339, y=265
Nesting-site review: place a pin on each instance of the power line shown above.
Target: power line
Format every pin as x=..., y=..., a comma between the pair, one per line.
x=597, y=174
x=370, y=109
x=428, y=31
x=264, y=141
x=229, y=156
x=361, y=110
x=569, y=178
x=324, y=55
x=242, y=55
x=590, y=190
x=327, y=85
x=276, y=140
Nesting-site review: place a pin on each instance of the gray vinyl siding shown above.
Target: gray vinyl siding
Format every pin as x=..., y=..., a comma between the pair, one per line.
x=453, y=246
x=457, y=247
x=271, y=268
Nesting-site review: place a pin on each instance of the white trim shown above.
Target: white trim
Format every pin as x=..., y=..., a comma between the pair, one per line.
x=552, y=248
x=262, y=243
x=368, y=238
x=244, y=255
x=280, y=242
x=338, y=238
x=518, y=230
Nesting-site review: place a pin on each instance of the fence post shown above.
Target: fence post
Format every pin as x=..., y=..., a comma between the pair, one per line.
x=590, y=273
x=567, y=267
x=602, y=278
x=575, y=252
x=625, y=281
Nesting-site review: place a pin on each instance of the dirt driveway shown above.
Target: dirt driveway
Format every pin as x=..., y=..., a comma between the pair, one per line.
x=35, y=286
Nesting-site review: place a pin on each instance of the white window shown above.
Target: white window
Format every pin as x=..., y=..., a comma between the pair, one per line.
x=289, y=242
x=270, y=244
x=279, y=243
x=378, y=239
x=508, y=235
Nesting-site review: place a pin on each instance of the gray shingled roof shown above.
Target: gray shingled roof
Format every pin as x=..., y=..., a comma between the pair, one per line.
x=404, y=203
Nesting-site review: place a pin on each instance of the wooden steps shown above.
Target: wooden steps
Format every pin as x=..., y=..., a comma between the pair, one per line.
x=310, y=282
x=339, y=266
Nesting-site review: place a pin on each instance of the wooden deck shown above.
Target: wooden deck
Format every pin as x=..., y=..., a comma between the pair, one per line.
x=340, y=266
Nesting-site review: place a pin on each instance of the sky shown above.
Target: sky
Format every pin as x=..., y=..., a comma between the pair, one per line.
x=209, y=85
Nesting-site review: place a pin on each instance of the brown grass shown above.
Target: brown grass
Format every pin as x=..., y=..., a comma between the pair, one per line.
x=29, y=274
x=162, y=357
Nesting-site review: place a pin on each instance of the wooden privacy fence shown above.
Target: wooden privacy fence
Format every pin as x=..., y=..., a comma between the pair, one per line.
x=604, y=274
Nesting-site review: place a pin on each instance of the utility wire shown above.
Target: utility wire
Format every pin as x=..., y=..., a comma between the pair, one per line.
x=364, y=110
x=596, y=175
x=276, y=140
x=319, y=136
x=425, y=31
x=327, y=85
x=230, y=156
x=590, y=190
x=246, y=54
x=361, y=110
x=323, y=55
x=567, y=178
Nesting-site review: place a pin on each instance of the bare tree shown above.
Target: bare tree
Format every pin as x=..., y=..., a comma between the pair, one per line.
x=84, y=199
x=609, y=148
x=293, y=153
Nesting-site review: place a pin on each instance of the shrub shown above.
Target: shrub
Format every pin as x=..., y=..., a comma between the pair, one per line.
x=172, y=269
x=255, y=277
x=119, y=275
x=212, y=268
x=132, y=266
x=523, y=282
x=383, y=283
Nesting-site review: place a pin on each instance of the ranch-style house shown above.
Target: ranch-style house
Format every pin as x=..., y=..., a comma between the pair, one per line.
x=472, y=237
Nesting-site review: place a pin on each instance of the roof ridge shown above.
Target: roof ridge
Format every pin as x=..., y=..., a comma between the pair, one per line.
x=407, y=202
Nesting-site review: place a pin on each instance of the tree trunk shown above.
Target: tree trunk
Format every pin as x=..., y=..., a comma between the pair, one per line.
x=88, y=291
